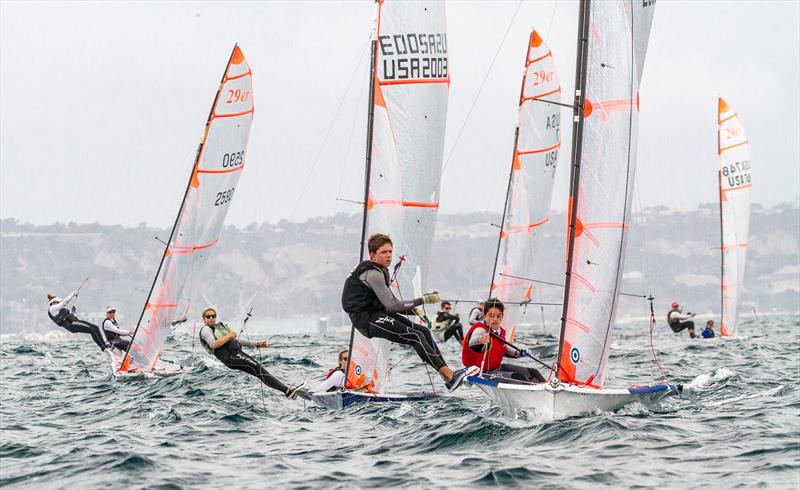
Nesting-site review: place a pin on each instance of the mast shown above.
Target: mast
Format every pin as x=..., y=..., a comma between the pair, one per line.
x=367, y=175
x=577, y=142
x=721, y=232
x=183, y=204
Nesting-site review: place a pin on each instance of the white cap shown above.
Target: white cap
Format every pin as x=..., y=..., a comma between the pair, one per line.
x=109, y=309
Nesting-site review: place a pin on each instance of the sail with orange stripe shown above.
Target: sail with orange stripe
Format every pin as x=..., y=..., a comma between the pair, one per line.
x=411, y=83
x=218, y=165
x=605, y=141
x=735, y=184
x=530, y=186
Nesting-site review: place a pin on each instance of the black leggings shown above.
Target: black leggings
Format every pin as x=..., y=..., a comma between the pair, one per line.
x=398, y=329
x=519, y=373
x=121, y=343
x=80, y=326
x=455, y=330
x=241, y=361
x=681, y=326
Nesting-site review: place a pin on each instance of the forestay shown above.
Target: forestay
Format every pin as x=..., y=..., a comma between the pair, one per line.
x=533, y=168
x=600, y=199
x=409, y=107
x=218, y=165
x=735, y=183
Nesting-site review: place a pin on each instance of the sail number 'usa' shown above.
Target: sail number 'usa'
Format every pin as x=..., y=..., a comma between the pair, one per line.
x=737, y=174
x=413, y=56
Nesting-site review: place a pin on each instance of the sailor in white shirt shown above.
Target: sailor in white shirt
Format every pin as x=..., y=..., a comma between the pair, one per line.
x=118, y=337
x=66, y=319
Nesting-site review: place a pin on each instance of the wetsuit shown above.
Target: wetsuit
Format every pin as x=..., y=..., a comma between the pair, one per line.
x=375, y=312
x=679, y=322
x=232, y=356
x=707, y=333
x=64, y=318
x=115, y=335
x=455, y=329
x=473, y=353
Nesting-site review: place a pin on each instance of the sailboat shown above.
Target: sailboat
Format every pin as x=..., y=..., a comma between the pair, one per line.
x=612, y=43
x=409, y=87
x=196, y=231
x=735, y=183
x=537, y=142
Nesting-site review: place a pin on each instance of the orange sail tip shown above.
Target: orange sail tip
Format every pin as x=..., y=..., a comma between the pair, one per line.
x=237, y=57
x=536, y=41
x=587, y=108
x=723, y=106
x=379, y=100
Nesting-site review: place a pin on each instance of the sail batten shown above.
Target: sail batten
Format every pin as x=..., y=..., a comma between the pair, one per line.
x=735, y=183
x=614, y=43
x=209, y=193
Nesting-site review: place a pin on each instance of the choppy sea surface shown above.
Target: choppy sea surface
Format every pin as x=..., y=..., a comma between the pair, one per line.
x=67, y=423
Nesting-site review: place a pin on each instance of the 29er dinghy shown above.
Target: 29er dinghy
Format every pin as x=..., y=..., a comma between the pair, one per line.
x=209, y=192
x=612, y=42
x=409, y=86
x=735, y=183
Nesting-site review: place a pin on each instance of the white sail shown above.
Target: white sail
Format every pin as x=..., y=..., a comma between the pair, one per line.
x=735, y=183
x=219, y=163
x=410, y=104
x=531, y=181
x=617, y=44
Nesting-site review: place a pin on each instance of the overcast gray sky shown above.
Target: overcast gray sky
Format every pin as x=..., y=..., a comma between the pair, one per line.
x=102, y=104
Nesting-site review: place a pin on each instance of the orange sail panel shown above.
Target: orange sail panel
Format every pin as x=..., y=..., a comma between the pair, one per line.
x=532, y=173
x=409, y=113
x=735, y=184
x=617, y=45
x=217, y=168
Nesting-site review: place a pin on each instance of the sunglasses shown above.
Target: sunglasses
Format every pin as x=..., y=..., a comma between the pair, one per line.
x=447, y=308
x=209, y=316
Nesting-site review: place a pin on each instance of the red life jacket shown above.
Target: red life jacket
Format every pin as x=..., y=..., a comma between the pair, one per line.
x=496, y=351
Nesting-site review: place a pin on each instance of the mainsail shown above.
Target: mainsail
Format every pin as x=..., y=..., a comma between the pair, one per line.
x=217, y=167
x=410, y=85
x=530, y=186
x=612, y=46
x=735, y=183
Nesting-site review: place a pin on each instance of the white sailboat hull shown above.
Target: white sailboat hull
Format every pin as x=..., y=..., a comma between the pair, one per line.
x=548, y=402
x=162, y=369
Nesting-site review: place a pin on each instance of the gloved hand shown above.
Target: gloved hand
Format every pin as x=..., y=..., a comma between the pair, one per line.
x=75, y=293
x=524, y=353
x=429, y=298
x=420, y=311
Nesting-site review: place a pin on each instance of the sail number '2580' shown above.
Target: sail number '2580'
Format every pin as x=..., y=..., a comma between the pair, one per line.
x=224, y=197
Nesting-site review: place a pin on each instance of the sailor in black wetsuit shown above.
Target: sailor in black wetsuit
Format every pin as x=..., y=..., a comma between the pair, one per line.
x=678, y=321
x=375, y=312
x=453, y=322
x=119, y=338
x=66, y=319
x=222, y=341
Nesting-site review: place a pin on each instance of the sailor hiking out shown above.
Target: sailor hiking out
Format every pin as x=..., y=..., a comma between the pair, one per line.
x=375, y=312
x=481, y=350
x=449, y=323
x=65, y=318
x=219, y=339
x=678, y=321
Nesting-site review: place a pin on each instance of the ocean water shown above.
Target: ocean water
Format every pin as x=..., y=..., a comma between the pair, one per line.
x=67, y=423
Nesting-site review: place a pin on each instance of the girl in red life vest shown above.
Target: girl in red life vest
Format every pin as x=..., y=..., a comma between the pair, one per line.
x=335, y=378
x=480, y=349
